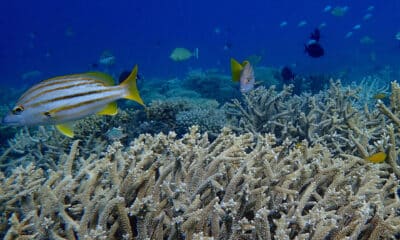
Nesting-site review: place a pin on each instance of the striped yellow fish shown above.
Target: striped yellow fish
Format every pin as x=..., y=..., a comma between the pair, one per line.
x=62, y=100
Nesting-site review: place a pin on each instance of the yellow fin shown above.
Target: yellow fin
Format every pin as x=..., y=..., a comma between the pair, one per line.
x=107, y=79
x=130, y=84
x=236, y=69
x=66, y=130
x=110, y=109
x=377, y=157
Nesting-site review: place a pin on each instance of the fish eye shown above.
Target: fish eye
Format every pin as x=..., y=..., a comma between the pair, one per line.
x=47, y=114
x=18, y=110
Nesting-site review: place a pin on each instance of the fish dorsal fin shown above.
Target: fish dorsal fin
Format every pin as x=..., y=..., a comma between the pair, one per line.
x=110, y=109
x=236, y=69
x=66, y=129
x=104, y=77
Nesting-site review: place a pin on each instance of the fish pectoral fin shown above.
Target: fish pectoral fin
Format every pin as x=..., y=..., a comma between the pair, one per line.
x=110, y=109
x=66, y=130
x=236, y=70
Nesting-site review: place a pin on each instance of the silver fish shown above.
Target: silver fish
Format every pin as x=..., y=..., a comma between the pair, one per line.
x=63, y=99
x=247, y=79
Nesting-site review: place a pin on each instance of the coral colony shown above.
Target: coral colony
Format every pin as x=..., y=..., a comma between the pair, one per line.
x=285, y=167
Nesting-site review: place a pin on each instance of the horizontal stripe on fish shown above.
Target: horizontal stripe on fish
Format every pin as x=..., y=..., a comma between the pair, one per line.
x=55, y=85
x=60, y=90
x=79, y=109
x=50, y=82
x=68, y=98
x=98, y=94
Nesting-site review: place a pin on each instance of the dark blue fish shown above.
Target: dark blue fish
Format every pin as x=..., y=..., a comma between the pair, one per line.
x=287, y=75
x=316, y=35
x=313, y=48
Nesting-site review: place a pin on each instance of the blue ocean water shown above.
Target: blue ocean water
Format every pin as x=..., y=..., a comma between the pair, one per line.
x=61, y=37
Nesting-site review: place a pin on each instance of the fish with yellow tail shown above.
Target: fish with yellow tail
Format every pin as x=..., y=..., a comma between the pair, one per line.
x=244, y=74
x=61, y=100
x=377, y=157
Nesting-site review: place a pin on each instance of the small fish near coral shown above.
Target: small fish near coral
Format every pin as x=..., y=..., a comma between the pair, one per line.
x=182, y=54
x=244, y=74
x=380, y=96
x=313, y=48
x=61, y=100
x=377, y=157
x=287, y=75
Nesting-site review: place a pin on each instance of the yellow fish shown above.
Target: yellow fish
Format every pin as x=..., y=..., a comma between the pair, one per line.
x=182, y=54
x=62, y=100
x=380, y=96
x=377, y=157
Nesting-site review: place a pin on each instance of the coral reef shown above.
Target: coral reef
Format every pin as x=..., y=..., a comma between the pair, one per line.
x=368, y=88
x=166, y=111
x=5, y=95
x=289, y=167
x=211, y=84
x=331, y=117
x=268, y=76
x=237, y=187
x=259, y=109
x=97, y=132
x=208, y=116
x=178, y=114
x=40, y=144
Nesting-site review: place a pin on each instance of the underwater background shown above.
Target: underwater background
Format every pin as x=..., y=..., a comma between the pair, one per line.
x=57, y=38
x=309, y=152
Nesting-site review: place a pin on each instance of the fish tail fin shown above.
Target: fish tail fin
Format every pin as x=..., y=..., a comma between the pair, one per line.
x=236, y=69
x=196, y=53
x=130, y=84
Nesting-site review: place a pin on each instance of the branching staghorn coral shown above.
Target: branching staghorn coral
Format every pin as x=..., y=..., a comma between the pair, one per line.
x=369, y=87
x=393, y=114
x=328, y=118
x=41, y=144
x=261, y=108
x=236, y=187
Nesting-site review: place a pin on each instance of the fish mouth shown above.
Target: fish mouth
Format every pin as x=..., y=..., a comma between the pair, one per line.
x=9, y=122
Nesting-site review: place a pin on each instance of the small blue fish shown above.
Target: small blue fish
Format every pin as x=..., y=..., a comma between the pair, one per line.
x=244, y=74
x=62, y=100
